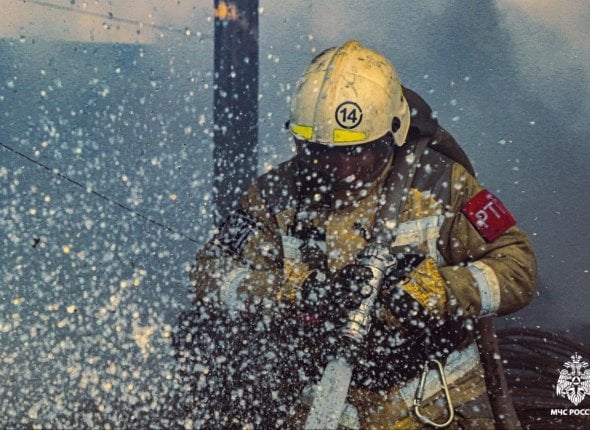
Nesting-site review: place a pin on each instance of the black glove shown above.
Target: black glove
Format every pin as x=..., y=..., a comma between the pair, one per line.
x=406, y=262
x=313, y=256
x=312, y=297
x=327, y=297
x=311, y=253
x=323, y=302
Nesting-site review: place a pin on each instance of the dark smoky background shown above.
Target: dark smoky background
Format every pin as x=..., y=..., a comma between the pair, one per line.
x=110, y=194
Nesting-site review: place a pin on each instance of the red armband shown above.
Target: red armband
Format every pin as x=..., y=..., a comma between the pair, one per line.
x=488, y=215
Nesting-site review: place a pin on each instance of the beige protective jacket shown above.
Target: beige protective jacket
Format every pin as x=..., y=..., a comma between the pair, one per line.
x=254, y=265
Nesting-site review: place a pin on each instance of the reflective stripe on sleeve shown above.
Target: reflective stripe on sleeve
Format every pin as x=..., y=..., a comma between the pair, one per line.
x=488, y=286
x=422, y=230
x=291, y=247
x=228, y=292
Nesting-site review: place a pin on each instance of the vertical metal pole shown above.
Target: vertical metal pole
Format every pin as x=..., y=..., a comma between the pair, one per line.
x=235, y=101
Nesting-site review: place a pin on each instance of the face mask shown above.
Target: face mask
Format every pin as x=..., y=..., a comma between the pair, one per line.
x=330, y=169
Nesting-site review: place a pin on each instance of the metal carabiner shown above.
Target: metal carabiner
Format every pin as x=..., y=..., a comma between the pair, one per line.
x=420, y=396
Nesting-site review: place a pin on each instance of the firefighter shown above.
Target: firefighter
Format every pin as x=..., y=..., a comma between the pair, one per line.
x=288, y=256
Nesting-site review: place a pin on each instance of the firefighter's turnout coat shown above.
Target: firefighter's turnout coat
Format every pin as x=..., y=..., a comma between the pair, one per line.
x=254, y=265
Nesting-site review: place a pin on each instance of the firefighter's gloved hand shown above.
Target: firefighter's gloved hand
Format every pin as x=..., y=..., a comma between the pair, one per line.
x=326, y=297
x=313, y=257
x=406, y=261
x=351, y=287
x=312, y=296
x=419, y=298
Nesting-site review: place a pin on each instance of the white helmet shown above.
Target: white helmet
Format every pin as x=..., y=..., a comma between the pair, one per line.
x=349, y=95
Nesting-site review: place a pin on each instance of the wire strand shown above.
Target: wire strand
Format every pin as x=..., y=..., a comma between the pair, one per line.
x=56, y=172
x=117, y=19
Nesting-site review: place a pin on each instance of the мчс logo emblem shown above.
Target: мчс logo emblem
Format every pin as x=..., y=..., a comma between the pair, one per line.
x=575, y=382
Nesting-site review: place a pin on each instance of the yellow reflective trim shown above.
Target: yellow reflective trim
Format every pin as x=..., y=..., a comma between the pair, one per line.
x=303, y=131
x=348, y=136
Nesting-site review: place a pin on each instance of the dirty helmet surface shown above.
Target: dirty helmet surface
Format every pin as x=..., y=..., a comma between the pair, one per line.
x=349, y=95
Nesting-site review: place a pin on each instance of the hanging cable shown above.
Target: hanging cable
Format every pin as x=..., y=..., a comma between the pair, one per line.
x=55, y=172
x=111, y=17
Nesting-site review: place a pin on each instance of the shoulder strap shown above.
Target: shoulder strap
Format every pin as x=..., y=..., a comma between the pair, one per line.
x=397, y=186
